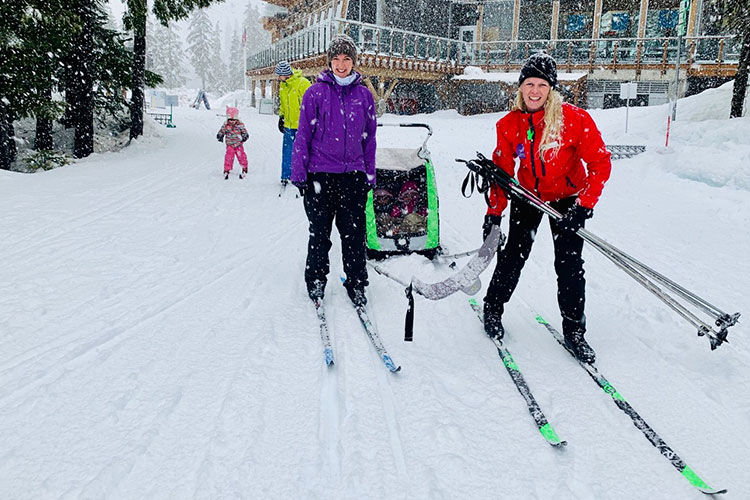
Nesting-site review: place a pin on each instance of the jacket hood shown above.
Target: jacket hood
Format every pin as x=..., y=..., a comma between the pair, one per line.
x=327, y=77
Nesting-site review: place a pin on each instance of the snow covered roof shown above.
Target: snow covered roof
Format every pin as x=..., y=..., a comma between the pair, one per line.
x=475, y=73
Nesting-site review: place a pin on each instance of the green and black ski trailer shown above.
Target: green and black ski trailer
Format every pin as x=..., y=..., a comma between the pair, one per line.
x=402, y=209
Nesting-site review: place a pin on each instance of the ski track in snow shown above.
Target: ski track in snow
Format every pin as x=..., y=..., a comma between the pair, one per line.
x=158, y=342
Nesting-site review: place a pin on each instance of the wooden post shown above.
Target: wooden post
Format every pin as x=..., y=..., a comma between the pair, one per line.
x=614, y=58
x=638, y=55
x=507, y=56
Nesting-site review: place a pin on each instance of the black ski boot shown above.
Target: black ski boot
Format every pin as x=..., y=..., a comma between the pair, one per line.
x=493, y=314
x=579, y=346
x=357, y=295
x=493, y=326
x=316, y=289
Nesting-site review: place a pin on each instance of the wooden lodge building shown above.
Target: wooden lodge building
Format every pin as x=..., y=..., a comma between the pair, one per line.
x=414, y=54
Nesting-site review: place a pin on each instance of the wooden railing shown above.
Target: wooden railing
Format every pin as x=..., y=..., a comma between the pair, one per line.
x=370, y=39
x=607, y=53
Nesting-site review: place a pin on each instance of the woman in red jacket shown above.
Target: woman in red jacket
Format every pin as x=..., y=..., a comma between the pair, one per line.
x=562, y=158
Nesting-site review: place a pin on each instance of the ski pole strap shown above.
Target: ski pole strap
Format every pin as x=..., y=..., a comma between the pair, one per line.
x=409, y=321
x=483, y=174
x=467, y=180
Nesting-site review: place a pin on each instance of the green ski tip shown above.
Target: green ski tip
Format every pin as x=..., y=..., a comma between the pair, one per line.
x=541, y=320
x=696, y=481
x=550, y=435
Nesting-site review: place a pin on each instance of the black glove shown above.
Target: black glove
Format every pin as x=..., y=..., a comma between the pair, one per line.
x=281, y=124
x=489, y=221
x=574, y=218
x=219, y=137
x=301, y=186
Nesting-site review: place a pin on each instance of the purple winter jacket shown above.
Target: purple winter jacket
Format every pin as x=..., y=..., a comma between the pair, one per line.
x=336, y=131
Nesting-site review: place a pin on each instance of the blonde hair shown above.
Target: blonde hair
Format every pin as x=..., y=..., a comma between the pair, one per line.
x=553, y=120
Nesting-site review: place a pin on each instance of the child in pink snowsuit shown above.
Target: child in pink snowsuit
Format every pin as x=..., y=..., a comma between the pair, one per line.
x=235, y=133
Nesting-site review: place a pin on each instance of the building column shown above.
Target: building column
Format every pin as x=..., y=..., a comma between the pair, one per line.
x=480, y=21
x=597, y=19
x=695, y=8
x=555, y=19
x=516, y=18
x=642, y=19
x=252, y=93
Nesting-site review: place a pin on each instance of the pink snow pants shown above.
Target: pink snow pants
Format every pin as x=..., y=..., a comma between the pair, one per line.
x=239, y=152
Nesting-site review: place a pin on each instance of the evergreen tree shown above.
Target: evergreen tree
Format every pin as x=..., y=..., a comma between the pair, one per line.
x=174, y=62
x=80, y=74
x=218, y=81
x=34, y=38
x=236, y=66
x=200, y=34
x=164, y=54
x=135, y=20
x=257, y=37
x=735, y=17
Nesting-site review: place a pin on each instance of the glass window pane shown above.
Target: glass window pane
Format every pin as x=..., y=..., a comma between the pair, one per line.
x=535, y=20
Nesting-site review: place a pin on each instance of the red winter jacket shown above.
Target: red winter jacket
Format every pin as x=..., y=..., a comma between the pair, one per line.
x=552, y=177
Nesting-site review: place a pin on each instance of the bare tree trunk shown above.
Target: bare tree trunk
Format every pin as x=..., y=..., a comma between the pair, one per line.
x=740, y=79
x=139, y=70
x=7, y=145
x=83, y=106
x=43, y=139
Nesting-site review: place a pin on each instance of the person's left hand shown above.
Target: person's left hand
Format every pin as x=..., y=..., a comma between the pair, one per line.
x=574, y=218
x=301, y=186
x=489, y=221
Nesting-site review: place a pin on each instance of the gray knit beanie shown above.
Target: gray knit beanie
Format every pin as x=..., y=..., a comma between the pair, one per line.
x=342, y=44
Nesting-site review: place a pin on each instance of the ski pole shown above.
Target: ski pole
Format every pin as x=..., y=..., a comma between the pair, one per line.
x=644, y=275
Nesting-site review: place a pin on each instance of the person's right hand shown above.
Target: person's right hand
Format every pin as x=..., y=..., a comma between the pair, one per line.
x=281, y=124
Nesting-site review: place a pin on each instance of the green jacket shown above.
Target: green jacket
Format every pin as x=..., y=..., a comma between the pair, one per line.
x=290, y=98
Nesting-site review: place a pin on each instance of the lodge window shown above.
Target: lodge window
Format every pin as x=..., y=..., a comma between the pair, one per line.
x=619, y=19
x=497, y=21
x=576, y=19
x=662, y=18
x=535, y=20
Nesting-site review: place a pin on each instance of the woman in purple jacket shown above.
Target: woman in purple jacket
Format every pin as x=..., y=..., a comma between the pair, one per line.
x=333, y=166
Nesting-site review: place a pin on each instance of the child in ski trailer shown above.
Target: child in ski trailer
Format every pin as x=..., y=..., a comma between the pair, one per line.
x=383, y=204
x=551, y=141
x=236, y=134
x=408, y=213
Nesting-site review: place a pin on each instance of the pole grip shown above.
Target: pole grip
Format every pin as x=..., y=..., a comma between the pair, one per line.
x=409, y=320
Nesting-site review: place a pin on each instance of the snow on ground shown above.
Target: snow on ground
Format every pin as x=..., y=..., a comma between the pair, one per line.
x=157, y=341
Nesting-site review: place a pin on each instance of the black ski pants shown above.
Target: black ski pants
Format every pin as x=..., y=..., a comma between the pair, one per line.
x=339, y=197
x=571, y=285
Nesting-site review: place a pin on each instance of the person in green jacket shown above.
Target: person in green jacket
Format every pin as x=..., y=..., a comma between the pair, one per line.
x=292, y=86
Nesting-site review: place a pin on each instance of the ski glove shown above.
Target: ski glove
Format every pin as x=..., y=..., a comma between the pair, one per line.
x=281, y=124
x=489, y=221
x=220, y=137
x=245, y=137
x=301, y=186
x=574, y=218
